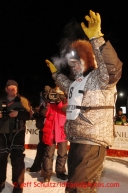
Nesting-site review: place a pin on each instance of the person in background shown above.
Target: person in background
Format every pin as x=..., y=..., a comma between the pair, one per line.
x=89, y=122
x=39, y=116
x=53, y=134
x=120, y=118
x=14, y=111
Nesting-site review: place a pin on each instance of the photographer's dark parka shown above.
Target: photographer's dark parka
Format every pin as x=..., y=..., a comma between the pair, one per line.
x=15, y=110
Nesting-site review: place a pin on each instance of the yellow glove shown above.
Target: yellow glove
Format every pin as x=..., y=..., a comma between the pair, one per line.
x=94, y=25
x=51, y=66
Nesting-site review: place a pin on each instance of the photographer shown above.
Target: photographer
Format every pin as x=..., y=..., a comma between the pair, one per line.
x=15, y=110
x=53, y=134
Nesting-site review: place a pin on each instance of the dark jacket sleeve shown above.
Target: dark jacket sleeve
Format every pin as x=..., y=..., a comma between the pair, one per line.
x=24, y=115
x=40, y=116
x=113, y=63
x=40, y=122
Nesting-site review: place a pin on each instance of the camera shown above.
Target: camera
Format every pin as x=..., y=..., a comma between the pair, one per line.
x=4, y=110
x=52, y=96
x=14, y=122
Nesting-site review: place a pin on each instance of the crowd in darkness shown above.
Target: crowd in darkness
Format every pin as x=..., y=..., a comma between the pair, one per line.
x=31, y=33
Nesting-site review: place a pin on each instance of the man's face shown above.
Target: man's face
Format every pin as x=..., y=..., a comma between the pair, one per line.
x=77, y=68
x=120, y=112
x=11, y=90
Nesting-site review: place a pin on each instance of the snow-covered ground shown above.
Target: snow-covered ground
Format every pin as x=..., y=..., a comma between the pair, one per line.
x=115, y=175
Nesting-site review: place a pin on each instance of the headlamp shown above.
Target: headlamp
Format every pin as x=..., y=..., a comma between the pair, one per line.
x=72, y=58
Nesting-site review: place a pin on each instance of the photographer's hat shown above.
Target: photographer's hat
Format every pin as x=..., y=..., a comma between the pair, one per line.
x=11, y=82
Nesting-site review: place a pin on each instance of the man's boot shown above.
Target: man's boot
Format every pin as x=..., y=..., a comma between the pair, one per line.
x=47, y=177
x=17, y=190
x=33, y=168
x=62, y=176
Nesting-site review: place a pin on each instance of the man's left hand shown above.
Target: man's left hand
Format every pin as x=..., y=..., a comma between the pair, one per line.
x=94, y=25
x=13, y=114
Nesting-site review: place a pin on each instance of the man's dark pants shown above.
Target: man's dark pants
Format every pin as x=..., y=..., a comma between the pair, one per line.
x=85, y=164
x=15, y=149
x=60, y=161
x=38, y=161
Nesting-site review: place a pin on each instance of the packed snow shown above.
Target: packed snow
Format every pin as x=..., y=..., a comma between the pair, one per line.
x=115, y=175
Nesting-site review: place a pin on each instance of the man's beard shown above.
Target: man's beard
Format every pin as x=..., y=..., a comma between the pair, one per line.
x=77, y=74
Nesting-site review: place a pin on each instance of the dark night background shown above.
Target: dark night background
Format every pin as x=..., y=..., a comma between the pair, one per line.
x=31, y=32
